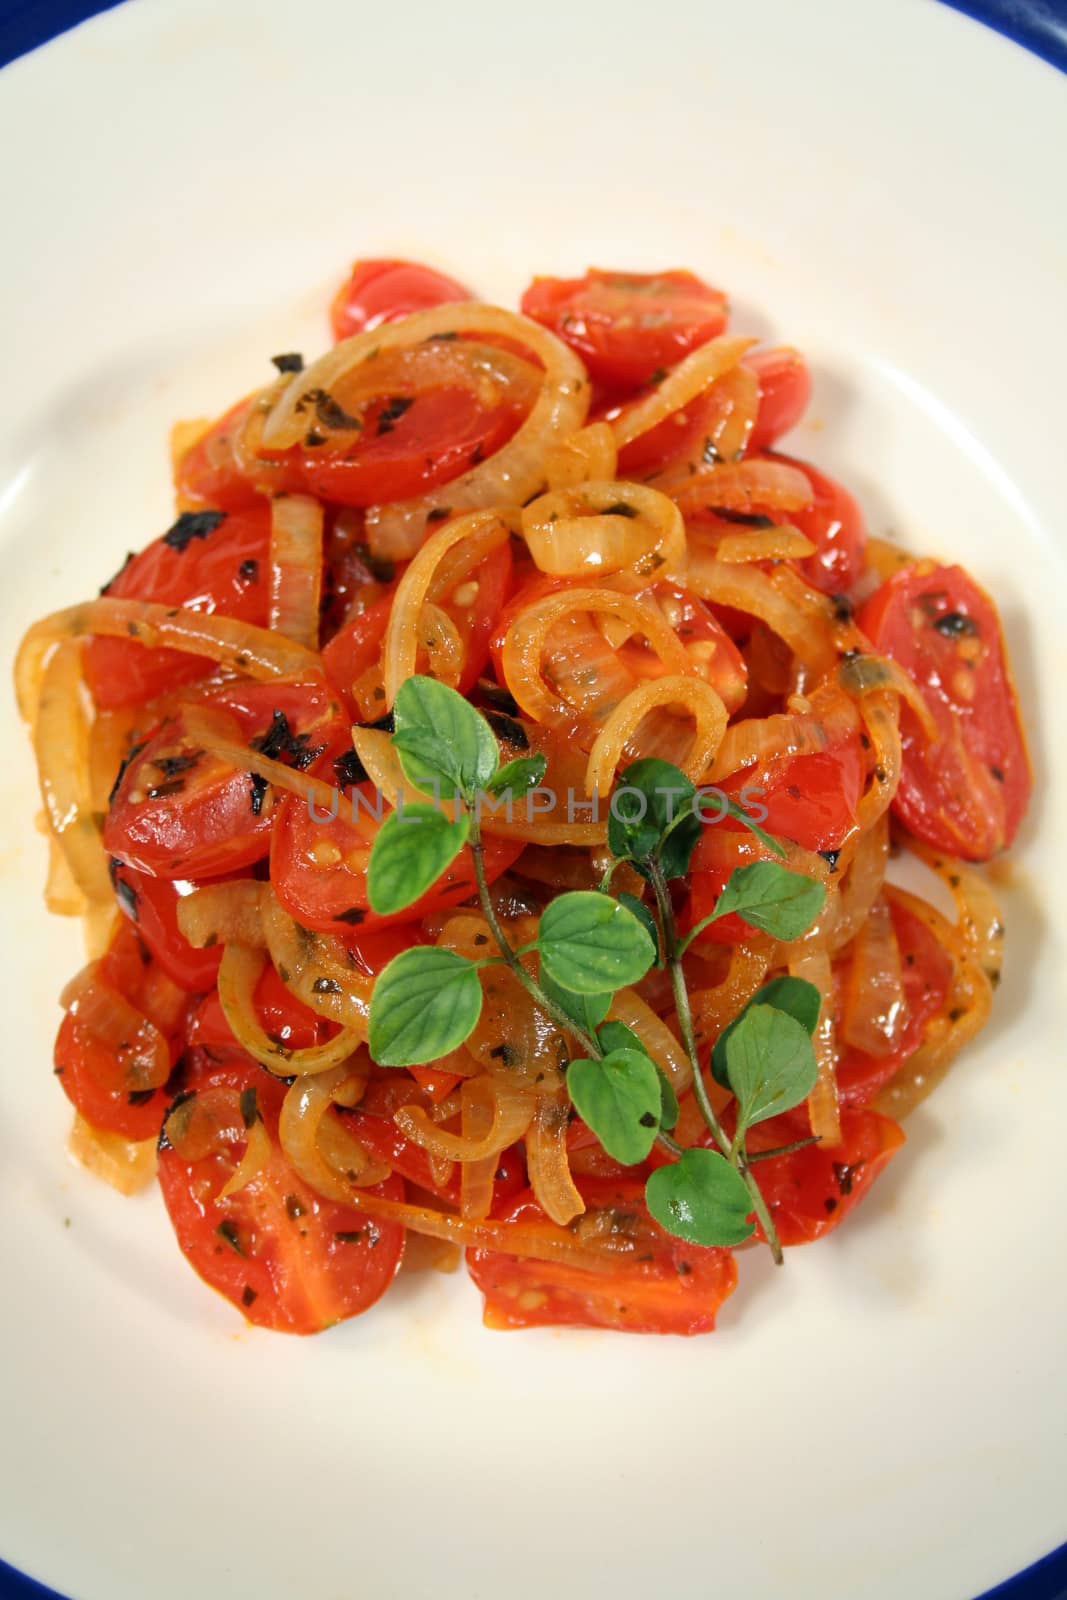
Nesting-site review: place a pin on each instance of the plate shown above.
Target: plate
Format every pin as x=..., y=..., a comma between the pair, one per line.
x=876, y=184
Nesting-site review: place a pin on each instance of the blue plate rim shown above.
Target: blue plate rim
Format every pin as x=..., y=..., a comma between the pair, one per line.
x=1039, y=26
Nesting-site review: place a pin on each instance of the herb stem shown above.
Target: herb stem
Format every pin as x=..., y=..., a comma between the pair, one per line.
x=565, y=1023
x=673, y=954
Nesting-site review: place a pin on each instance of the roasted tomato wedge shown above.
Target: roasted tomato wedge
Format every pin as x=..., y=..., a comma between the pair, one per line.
x=208, y=474
x=784, y=392
x=967, y=792
x=926, y=976
x=664, y=1286
x=318, y=865
x=627, y=326
x=378, y=291
x=212, y=561
x=834, y=524
x=285, y=1257
x=89, y=1062
x=179, y=812
x=811, y=1190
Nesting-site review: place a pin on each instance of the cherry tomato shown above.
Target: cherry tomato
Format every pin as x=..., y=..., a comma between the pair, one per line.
x=834, y=524
x=85, y=1066
x=208, y=474
x=810, y=799
x=318, y=867
x=967, y=792
x=926, y=973
x=476, y=614
x=355, y=647
x=438, y=435
x=627, y=326
x=285, y=1257
x=222, y=567
x=812, y=1190
x=667, y=1286
x=372, y=1124
x=382, y=291
x=152, y=904
x=784, y=392
x=181, y=813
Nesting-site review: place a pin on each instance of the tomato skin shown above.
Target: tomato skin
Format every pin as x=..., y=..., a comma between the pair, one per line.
x=208, y=826
x=810, y=1191
x=331, y=895
x=378, y=291
x=355, y=647
x=85, y=1067
x=676, y=1288
x=625, y=326
x=152, y=903
x=784, y=393
x=442, y=434
x=208, y=474
x=286, y=1258
x=926, y=972
x=967, y=793
x=835, y=526
x=281, y=1014
x=226, y=572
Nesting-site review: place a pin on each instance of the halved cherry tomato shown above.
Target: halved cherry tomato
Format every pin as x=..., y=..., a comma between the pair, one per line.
x=476, y=614
x=284, y=1017
x=627, y=326
x=355, y=647
x=318, y=866
x=85, y=1067
x=834, y=524
x=180, y=813
x=926, y=973
x=810, y=799
x=372, y=1124
x=784, y=392
x=966, y=793
x=666, y=1286
x=208, y=474
x=439, y=434
x=381, y=291
x=812, y=1190
x=785, y=388
x=285, y=1257
x=223, y=568
x=152, y=903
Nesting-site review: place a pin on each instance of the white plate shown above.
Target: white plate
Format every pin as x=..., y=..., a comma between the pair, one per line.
x=183, y=184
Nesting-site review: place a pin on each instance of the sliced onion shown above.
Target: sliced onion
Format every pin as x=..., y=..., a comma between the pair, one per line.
x=525, y=641
x=862, y=882
x=747, y=486
x=757, y=741
x=61, y=745
x=477, y=1115
x=307, y=1112
x=547, y=1163
x=979, y=919
x=782, y=543
x=255, y=1160
x=865, y=674
x=239, y=972
x=618, y=737
x=512, y=1111
x=682, y=384
x=474, y=536
x=254, y=651
x=662, y=1045
x=874, y=1010
x=128, y=1165
x=224, y=913
x=606, y=526
x=713, y=1008
x=296, y=567
x=589, y=453
x=824, y=1111
x=511, y=475
x=805, y=629
x=314, y=966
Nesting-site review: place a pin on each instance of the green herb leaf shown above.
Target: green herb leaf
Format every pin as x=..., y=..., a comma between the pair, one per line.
x=440, y=738
x=516, y=777
x=654, y=802
x=773, y=899
x=587, y=1010
x=619, y=1097
x=590, y=943
x=701, y=1198
x=424, y=1004
x=410, y=851
x=643, y=915
x=795, y=996
x=770, y=1064
x=617, y=1036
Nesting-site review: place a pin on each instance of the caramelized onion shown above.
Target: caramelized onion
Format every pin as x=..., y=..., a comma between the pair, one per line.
x=589, y=453
x=512, y=1110
x=602, y=527
x=128, y=1165
x=296, y=567
x=239, y=972
x=224, y=913
x=617, y=738
x=61, y=745
x=874, y=1010
x=697, y=372
x=823, y=1108
x=547, y=1164
x=307, y=1112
